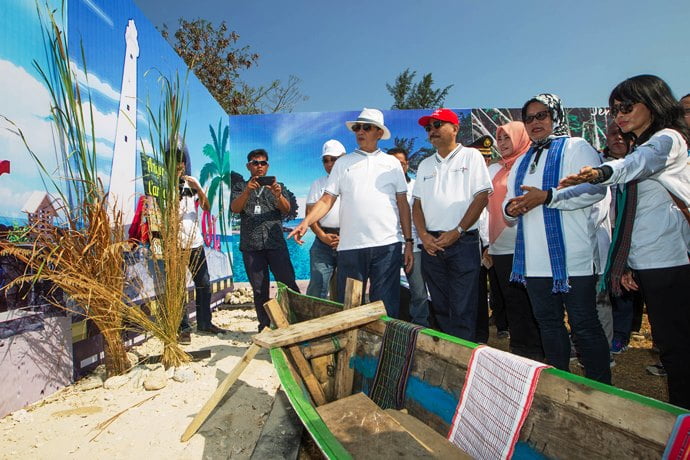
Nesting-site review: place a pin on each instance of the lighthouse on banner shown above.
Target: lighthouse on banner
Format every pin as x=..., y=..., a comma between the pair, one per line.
x=121, y=195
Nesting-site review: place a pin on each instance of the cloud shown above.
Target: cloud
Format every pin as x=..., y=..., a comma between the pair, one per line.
x=94, y=83
x=104, y=123
x=10, y=195
x=99, y=12
x=290, y=128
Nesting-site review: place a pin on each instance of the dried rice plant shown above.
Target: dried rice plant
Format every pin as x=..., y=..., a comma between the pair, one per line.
x=85, y=256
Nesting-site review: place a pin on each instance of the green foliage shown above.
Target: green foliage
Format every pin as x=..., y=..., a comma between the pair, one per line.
x=218, y=172
x=420, y=95
x=211, y=53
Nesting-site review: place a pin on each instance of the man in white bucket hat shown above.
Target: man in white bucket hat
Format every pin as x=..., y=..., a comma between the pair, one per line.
x=323, y=257
x=374, y=213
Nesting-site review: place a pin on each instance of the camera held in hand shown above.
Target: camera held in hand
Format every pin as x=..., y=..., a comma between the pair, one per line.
x=184, y=189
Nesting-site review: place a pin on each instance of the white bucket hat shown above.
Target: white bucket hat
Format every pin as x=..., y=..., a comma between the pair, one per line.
x=372, y=117
x=333, y=148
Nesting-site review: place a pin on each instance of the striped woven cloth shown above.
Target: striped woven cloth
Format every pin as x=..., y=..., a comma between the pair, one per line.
x=395, y=362
x=494, y=403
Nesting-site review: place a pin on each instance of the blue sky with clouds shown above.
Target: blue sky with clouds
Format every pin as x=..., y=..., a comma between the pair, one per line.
x=495, y=53
x=99, y=26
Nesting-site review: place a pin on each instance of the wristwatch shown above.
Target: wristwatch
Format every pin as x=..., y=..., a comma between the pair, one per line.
x=461, y=231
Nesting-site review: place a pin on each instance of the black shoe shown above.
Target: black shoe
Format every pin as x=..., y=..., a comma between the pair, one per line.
x=211, y=329
x=184, y=338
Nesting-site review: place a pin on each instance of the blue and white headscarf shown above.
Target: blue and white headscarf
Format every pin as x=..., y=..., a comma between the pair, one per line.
x=553, y=103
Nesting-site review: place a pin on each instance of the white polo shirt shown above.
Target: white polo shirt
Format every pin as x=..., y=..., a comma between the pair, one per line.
x=367, y=184
x=332, y=218
x=447, y=186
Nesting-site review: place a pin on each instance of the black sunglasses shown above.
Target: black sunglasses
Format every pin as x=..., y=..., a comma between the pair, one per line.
x=538, y=116
x=357, y=126
x=436, y=124
x=258, y=163
x=623, y=107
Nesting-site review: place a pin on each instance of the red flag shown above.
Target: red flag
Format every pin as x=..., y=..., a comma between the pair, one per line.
x=5, y=166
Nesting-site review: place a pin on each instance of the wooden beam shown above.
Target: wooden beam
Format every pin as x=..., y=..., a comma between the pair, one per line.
x=325, y=346
x=217, y=395
x=344, y=374
x=319, y=327
x=276, y=313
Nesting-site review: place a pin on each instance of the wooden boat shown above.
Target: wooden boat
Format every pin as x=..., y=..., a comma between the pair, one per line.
x=570, y=416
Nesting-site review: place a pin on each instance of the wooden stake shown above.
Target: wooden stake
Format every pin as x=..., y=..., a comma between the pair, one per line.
x=217, y=395
x=344, y=375
x=304, y=368
x=324, y=347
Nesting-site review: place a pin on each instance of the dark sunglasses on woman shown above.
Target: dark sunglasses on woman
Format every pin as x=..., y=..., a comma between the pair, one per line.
x=436, y=124
x=537, y=116
x=623, y=107
x=357, y=126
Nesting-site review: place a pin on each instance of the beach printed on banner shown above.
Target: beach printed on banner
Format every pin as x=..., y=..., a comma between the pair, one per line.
x=294, y=141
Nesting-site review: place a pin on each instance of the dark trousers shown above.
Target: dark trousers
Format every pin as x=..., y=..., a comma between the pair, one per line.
x=665, y=293
x=481, y=334
x=381, y=266
x=202, y=290
x=525, y=339
x=257, y=264
x=623, y=311
x=452, y=277
x=580, y=303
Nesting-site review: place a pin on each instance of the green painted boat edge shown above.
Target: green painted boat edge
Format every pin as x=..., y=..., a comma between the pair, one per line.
x=312, y=421
x=625, y=394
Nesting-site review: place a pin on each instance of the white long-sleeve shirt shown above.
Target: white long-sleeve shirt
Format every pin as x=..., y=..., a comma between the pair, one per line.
x=661, y=235
x=575, y=204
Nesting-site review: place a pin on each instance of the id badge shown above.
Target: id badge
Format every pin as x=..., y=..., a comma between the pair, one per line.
x=257, y=209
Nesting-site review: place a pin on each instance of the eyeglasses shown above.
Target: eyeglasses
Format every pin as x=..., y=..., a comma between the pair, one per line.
x=623, y=107
x=329, y=159
x=537, y=116
x=258, y=163
x=436, y=124
x=357, y=126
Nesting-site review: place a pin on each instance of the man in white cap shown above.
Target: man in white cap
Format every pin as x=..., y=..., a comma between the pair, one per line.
x=323, y=257
x=452, y=189
x=373, y=211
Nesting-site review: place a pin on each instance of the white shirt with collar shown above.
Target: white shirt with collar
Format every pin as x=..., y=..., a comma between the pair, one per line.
x=575, y=203
x=367, y=184
x=332, y=218
x=660, y=235
x=447, y=186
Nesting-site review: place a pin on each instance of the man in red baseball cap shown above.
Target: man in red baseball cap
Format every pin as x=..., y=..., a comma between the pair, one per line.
x=451, y=190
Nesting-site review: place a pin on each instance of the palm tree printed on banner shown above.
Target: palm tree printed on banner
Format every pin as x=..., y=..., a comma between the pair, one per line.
x=218, y=172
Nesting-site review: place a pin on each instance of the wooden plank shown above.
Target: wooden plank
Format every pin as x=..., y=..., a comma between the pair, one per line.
x=319, y=327
x=565, y=412
x=217, y=395
x=344, y=374
x=367, y=432
x=324, y=347
x=426, y=436
x=281, y=435
x=276, y=313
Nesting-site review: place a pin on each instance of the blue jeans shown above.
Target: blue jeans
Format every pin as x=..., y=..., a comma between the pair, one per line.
x=381, y=266
x=623, y=316
x=580, y=303
x=419, y=305
x=322, y=262
x=452, y=277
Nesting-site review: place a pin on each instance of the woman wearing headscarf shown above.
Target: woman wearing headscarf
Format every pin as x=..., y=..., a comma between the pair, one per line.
x=512, y=142
x=553, y=247
x=650, y=241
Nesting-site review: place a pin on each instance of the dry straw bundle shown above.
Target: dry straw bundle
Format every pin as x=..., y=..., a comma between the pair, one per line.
x=84, y=257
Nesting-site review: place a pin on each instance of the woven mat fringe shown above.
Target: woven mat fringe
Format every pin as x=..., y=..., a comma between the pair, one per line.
x=395, y=363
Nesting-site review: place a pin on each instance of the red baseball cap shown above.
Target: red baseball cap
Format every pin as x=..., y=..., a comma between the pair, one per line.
x=440, y=114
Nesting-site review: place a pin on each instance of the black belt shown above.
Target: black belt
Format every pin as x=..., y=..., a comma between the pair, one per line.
x=333, y=230
x=436, y=234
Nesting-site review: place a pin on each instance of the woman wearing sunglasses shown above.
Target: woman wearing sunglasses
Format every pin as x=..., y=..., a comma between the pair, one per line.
x=553, y=255
x=649, y=249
